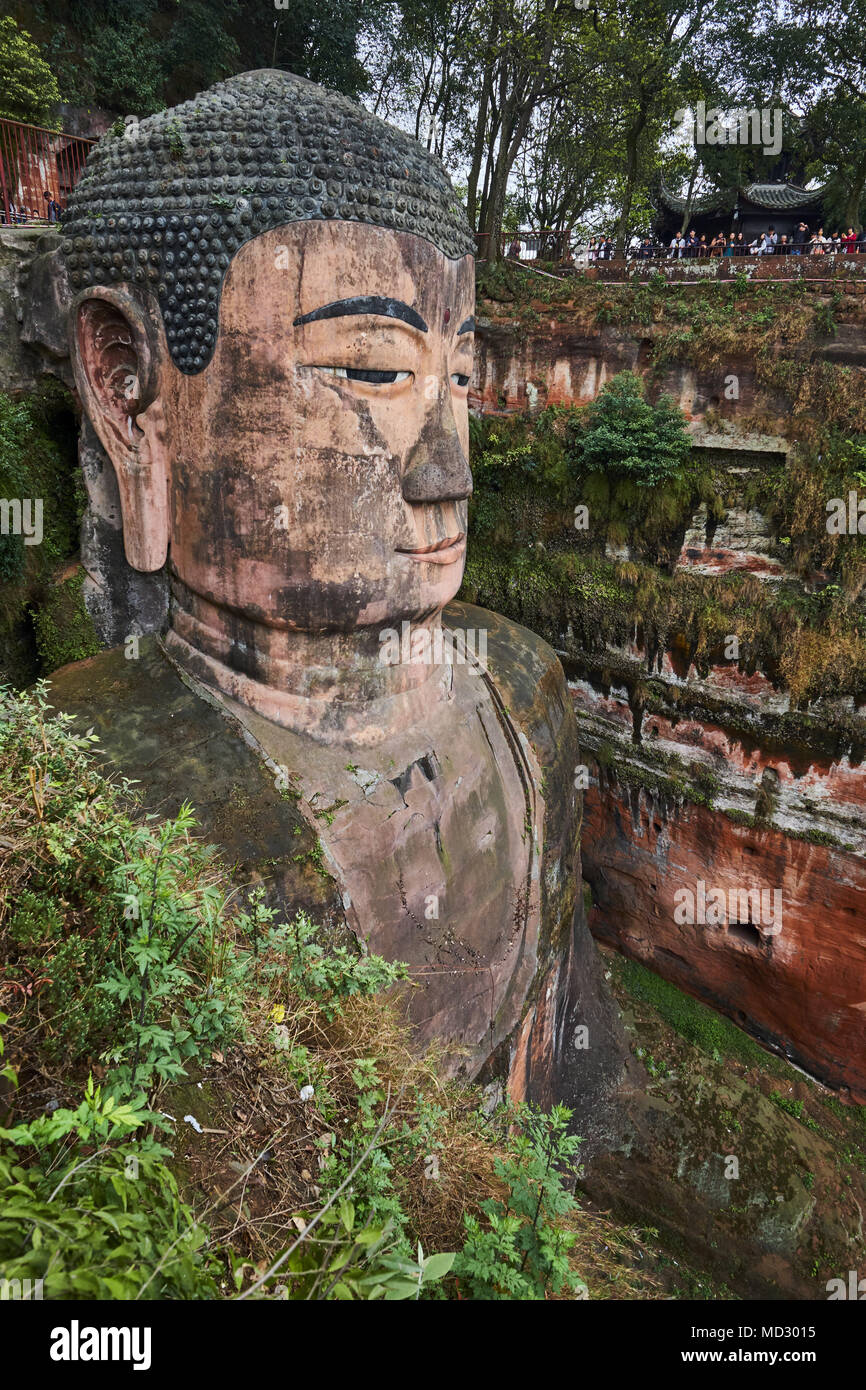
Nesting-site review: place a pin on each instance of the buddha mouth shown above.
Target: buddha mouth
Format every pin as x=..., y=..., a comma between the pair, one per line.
x=445, y=552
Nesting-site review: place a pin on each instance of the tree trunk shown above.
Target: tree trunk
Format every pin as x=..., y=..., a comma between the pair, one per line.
x=632, y=141
x=687, y=215
x=855, y=197
x=477, y=152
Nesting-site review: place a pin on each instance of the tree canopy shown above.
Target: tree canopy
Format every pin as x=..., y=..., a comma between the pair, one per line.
x=556, y=114
x=28, y=87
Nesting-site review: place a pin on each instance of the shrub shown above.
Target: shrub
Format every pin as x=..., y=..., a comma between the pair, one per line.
x=94, y=1215
x=521, y=1251
x=112, y=930
x=625, y=434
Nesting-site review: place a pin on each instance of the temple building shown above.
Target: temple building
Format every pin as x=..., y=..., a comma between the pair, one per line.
x=749, y=209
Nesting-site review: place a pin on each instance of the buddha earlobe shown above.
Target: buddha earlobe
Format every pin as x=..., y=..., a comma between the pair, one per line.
x=115, y=372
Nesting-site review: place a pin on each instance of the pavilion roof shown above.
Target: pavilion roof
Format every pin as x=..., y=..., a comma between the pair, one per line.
x=774, y=197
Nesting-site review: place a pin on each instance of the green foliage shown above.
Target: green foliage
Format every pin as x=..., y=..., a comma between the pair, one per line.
x=127, y=64
x=793, y=1107
x=625, y=434
x=143, y=55
x=7, y=1073
x=326, y=974
x=28, y=87
x=63, y=627
x=37, y=460
x=93, y=1215
x=115, y=928
x=119, y=927
x=341, y=1259
x=521, y=1250
x=508, y=452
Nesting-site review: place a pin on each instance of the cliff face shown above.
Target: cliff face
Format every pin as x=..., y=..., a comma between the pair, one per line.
x=783, y=950
x=715, y=674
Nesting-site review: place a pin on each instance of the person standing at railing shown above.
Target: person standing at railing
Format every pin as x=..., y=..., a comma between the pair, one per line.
x=799, y=239
x=52, y=207
x=849, y=242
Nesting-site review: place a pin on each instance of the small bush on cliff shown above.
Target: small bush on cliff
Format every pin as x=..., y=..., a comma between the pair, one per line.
x=625, y=434
x=521, y=1250
x=89, y=1207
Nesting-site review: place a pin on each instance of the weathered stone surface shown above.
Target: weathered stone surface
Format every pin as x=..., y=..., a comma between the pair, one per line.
x=121, y=600
x=800, y=989
x=20, y=365
x=555, y=362
x=726, y=788
x=743, y=1172
x=741, y=541
x=507, y=972
x=46, y=300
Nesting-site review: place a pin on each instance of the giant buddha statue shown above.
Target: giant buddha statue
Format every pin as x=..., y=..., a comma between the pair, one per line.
x=272, y=336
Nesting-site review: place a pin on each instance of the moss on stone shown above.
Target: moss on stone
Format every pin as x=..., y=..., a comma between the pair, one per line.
x=39, y=462
x=698, y=1024
x=63, y=626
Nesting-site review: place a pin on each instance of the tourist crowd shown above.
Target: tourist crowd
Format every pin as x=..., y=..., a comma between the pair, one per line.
x=689, y=245
x=19, y=214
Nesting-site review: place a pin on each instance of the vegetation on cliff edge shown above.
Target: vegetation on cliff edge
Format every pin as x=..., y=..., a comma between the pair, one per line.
x=202, y=1099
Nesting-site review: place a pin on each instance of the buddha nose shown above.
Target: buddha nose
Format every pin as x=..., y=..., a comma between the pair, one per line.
x=436, y=469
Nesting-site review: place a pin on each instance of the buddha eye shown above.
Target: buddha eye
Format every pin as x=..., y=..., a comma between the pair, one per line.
x=460, y=378
x=366, y=374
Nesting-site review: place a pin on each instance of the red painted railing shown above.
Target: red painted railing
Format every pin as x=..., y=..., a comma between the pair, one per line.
x=539, y=244
x=35, y=161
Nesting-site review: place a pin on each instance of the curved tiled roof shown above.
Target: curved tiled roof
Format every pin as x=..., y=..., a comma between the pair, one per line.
x=778, y=197
x=782, y=197
x=721, y=201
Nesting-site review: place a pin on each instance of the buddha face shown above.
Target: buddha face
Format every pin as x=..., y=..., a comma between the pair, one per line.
x=314, y=475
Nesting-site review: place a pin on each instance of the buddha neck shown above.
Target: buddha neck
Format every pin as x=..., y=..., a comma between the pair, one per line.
x=356, y=687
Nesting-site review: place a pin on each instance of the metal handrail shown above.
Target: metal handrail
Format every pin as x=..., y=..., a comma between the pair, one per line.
x=35, y=159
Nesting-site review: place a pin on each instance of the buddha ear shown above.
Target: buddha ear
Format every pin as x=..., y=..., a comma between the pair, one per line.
x=114, y=354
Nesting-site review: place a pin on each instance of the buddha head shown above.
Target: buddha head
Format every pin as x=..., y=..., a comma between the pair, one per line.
x=272, y=336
